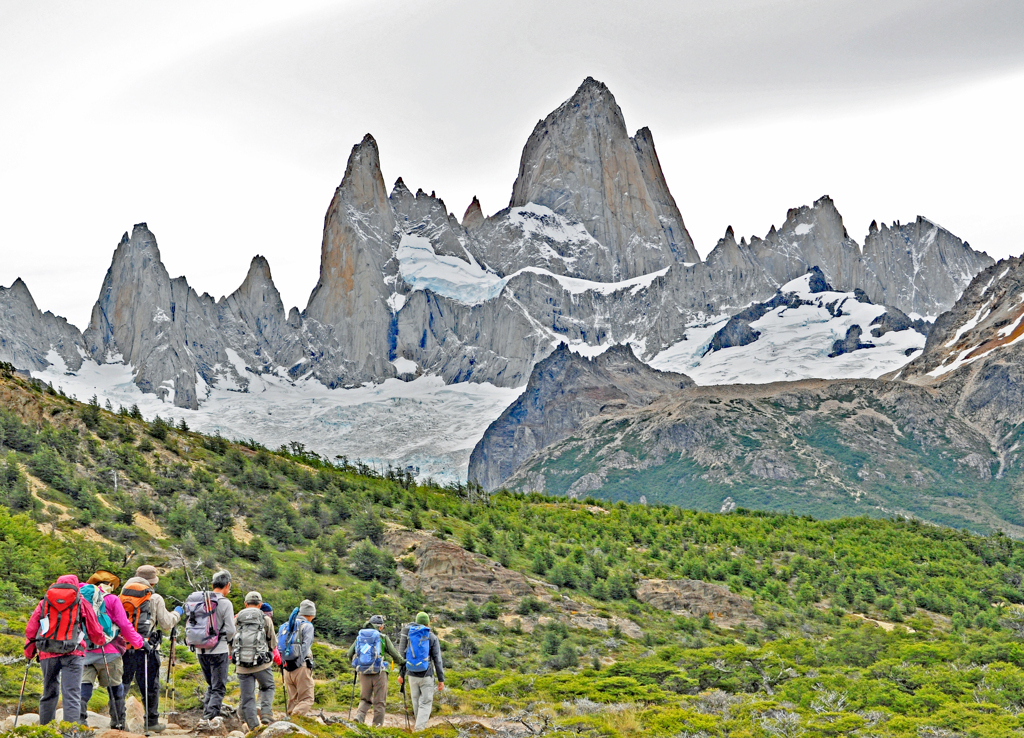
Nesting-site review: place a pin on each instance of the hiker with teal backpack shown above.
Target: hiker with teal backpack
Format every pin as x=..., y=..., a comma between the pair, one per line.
x=295, y=643
x=56, y=632
x=369, y=655
x=104, y=662
x=423, y=666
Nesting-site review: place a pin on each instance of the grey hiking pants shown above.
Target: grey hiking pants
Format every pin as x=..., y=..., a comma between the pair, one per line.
x=62, y=675
x=421, y=693
x=247, y=686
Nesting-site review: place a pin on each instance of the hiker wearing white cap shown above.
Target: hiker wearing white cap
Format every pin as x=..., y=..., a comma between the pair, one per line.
x=253, y=654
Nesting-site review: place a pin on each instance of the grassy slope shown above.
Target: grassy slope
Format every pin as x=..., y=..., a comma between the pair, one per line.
x=292, y=527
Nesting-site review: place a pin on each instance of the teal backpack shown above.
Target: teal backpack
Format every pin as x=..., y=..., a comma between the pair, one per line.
x=95, y=596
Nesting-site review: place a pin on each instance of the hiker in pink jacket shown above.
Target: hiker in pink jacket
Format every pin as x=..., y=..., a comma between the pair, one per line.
x=62, y=672
x=105, y=664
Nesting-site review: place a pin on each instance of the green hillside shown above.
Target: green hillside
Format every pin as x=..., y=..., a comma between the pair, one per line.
x=828, y=449
x=849, y=626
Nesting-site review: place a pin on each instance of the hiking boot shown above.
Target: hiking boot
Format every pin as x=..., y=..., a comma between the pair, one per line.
x=216, y=723
x=203, y=724
x=266, y=720
x=156, y=727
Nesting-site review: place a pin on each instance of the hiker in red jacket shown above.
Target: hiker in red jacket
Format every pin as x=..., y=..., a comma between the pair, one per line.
x=56, y=631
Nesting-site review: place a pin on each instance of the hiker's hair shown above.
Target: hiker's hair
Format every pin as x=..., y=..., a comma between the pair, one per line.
x=221, y=579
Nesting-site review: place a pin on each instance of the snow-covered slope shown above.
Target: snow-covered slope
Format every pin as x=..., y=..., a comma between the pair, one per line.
x=796, y=340
x=423, y=424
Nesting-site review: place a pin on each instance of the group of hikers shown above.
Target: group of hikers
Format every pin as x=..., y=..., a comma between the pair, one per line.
x=87, y=633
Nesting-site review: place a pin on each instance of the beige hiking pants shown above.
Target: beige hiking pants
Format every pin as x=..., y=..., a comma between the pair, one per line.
x=298, y=685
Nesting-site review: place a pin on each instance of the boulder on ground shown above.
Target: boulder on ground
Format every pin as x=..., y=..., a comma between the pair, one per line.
x=694, y=598
x=282, y=728
x=135, y=715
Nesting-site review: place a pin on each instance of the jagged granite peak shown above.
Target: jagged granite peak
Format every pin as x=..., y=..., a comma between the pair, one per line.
x=28, y=335
x=664, y=204
x=975, y=357
x=474, y=216
x=581, y=163
x=564, y=390
x=426, y=215
x=138, y=318
x=919, y=267
x=810, y=236
x=358, y=270
x=179, y=342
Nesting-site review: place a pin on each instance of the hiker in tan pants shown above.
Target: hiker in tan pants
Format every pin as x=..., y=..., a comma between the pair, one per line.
x=298, y=673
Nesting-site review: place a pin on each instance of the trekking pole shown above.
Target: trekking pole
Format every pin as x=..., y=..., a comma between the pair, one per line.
x=405, y=702
x=170, y=671
x=110, y=701
x=350, y=702
x=145, y=678
x=21, y=696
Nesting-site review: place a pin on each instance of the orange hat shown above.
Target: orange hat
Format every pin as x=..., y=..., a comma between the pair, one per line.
x=105, y=577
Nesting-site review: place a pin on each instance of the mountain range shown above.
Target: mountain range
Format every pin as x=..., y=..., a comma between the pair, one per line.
x=939, y=438
x=591, y=252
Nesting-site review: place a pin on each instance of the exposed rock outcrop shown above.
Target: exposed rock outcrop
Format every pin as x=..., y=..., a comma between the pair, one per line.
x=448, y=574
x=694, y=598
x=474, y=216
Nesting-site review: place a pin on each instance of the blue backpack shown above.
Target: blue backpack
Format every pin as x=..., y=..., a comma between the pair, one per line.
x=368, y=658
x=417, y=653
x=286, y=637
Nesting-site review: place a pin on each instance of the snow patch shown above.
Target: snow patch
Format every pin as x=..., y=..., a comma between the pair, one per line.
x=794, y=344
x=160, y=316
x=423, y=269
x=424, y=423
x=973, y=322
x=396, y=302
x=803, y=229
x=543, y=222
x=405, y=366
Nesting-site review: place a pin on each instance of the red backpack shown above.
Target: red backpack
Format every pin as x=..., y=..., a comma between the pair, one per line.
x=60, y=622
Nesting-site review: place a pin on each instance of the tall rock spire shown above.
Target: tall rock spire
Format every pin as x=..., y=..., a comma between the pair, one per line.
x=580, y=162
x=360, y=237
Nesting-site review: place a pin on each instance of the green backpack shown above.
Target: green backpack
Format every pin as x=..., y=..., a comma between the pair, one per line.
x=95, y=596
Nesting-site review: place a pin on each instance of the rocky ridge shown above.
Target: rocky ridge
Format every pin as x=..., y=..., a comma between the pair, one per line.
x=940, y=438
x=564, y=390
x=592, y=251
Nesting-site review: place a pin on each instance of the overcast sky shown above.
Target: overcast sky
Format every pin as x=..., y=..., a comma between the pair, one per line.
x=226, y=126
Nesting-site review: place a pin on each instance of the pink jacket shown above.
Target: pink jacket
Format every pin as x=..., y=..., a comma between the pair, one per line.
x=117, y=615
x=92, y=625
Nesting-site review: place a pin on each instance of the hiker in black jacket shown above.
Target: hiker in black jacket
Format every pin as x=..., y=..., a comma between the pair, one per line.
x=421, y=682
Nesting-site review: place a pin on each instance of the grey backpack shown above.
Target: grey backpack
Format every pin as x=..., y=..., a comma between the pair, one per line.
x=250, y=645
